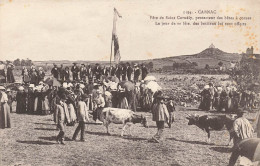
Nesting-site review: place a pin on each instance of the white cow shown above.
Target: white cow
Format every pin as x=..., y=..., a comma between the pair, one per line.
x=120, y=116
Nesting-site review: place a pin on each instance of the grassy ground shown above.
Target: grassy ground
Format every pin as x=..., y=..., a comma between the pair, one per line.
x=31, y=141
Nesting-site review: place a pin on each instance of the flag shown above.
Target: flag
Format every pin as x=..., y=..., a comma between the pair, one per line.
x=117, y=56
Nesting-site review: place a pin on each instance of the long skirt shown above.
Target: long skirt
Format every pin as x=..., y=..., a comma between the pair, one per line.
x=5, y=121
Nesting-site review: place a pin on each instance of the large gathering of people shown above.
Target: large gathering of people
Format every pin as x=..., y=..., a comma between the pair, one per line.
x=75, y=94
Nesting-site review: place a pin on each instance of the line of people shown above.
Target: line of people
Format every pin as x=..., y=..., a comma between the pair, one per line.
x=227, y=98
x=84, y=72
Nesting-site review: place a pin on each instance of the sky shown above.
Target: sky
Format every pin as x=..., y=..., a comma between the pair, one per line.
x=82, y=29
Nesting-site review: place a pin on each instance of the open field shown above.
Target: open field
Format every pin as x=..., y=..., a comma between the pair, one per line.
x=31, y=141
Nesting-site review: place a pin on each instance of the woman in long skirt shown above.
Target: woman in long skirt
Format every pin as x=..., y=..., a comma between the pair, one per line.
x=5, y=121
x=21, y=101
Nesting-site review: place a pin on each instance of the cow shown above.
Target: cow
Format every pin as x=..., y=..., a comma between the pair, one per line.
x=120, y=116
x=213, y=122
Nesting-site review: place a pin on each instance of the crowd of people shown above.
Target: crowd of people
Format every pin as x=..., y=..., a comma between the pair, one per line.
x=71, y=94
x=227, y=98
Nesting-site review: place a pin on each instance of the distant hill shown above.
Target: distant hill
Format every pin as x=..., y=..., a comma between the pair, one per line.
x=210, y=56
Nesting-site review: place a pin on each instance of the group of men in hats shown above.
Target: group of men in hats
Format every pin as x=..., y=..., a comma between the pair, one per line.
x=85, y=73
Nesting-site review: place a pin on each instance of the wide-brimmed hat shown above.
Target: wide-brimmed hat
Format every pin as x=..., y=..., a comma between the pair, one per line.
x=8, y=90
x=2, y=88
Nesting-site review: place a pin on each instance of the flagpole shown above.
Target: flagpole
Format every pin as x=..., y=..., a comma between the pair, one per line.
x=112, y=41
x=111, y=54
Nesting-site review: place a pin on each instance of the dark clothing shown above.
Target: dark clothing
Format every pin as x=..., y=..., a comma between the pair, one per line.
x=60, y=136
x=41, y=76
x=144, y=72
x=62, y=73
x=55, y=72
x=75, y=72
x=83, y=73
x=160, y=126
x=124, y=72
x=206, y=99
x=81, y=128
x=89, y=73
x=118, y=72
x=31, y=99
x=129, y=71
x=105, y=72
x=21, y=102
x=113, y=71
x=97, y=72
x=34, y=78
x=10, y=76
x=66, y=75
x=136, y=74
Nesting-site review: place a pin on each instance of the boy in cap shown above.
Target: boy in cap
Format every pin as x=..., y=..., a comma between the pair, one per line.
x=171, y=109
x=82, y=114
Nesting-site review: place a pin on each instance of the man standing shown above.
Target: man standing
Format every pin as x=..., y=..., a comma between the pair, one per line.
x=105, y=71
x=137, y=73
x=144, y=71
x=62, y=72
x=118, y=72
x=89, y=73
x=97, y=71
x=75, y=71
x=82, y=114
x=55, y=71
x=243, y=130
x=83, y=72
x=61, y=117
x=129, y=71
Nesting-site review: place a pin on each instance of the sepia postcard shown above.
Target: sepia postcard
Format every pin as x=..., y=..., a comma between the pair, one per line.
x=129, y=82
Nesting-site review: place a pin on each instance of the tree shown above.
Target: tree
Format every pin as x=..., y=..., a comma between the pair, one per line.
x=220, y=63
x=17, y=62
x=23, y=62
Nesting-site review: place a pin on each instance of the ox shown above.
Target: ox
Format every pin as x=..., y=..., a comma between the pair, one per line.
x=213, y=122
x=120, y=116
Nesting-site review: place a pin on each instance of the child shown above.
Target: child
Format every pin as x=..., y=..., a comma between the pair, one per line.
x=171, y=109
x=82, y=114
